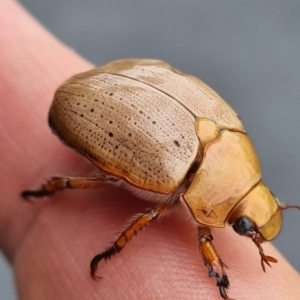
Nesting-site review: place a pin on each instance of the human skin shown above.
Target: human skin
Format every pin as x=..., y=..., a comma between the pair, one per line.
x=50, y=243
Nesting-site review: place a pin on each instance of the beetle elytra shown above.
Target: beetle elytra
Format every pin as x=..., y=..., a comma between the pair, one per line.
x=153, y=129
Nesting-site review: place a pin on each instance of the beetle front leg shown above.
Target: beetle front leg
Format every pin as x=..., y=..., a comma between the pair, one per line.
x=59, y=183
x=212, y=260
x=139, y=223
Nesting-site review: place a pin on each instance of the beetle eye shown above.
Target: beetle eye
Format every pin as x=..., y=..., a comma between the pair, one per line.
x=243, y=225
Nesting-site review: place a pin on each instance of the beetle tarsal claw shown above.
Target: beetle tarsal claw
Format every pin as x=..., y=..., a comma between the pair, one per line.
x=108, y=253
x=223, y=285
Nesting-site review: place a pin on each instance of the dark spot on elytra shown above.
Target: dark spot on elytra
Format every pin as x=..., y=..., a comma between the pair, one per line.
x=92, y=110
x=110, y=94
x=176, y=143
x=110, y=134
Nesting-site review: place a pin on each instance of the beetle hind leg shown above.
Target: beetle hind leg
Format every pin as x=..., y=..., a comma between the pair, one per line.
x=212, y=260
x=55, y=184
x=139, y=223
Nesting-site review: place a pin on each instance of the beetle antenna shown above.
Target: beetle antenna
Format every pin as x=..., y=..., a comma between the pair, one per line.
x=284, y=206
x=264, y=259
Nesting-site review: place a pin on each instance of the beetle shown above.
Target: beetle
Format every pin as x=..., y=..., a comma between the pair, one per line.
x=168, y=137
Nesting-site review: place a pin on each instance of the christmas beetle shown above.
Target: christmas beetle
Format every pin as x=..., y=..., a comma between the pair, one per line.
x=168, y=137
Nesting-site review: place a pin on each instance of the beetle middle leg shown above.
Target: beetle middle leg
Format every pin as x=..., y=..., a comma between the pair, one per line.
x=212, y=260
x=139, y=223
x=55, y=184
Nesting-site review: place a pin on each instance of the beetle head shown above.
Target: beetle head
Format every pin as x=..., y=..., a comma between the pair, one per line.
x=259, y=212
x=259, y=216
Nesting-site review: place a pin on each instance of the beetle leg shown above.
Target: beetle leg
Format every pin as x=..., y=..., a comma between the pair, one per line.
x=212, y=260
x=59, y=183
x=139, y=223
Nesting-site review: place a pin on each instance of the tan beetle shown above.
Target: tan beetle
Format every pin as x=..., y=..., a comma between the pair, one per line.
x=168, y=137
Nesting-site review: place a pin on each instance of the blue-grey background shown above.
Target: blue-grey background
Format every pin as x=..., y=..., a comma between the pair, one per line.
x=248, y=51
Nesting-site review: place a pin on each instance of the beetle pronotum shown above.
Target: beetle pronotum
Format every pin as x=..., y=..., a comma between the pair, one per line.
x=149, y=127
